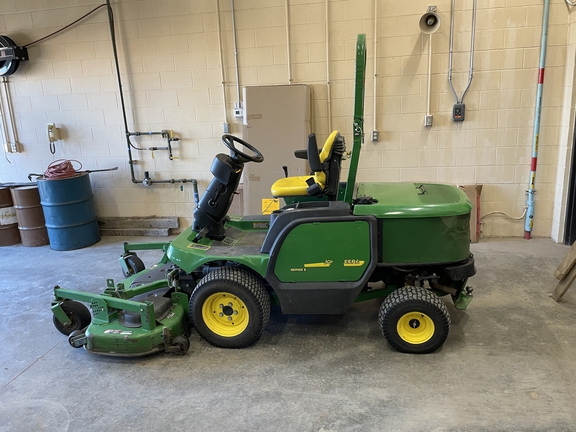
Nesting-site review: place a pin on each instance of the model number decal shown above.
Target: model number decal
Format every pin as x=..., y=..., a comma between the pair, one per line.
x=198, y=246
x=122, y=332
x=353, y=263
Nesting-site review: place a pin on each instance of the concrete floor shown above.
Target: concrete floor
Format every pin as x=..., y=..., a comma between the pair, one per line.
x=509, y=362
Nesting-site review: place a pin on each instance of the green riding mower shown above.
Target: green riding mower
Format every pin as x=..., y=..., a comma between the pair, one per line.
x=333, y=244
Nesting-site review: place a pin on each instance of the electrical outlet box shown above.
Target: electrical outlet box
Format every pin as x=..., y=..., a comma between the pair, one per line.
x=458, y=112
x=428, y=120
x=238, y=111
x=375, y=134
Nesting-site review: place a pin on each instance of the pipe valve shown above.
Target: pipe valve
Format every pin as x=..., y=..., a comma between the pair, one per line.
x=147, y=181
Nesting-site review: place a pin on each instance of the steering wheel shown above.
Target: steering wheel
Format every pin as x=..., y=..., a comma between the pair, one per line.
x=229, y=140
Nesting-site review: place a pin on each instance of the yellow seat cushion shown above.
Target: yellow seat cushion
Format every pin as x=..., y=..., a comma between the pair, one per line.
x=295, y=186
x=328, y=146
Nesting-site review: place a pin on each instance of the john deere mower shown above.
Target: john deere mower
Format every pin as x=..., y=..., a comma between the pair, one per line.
x=333, y=244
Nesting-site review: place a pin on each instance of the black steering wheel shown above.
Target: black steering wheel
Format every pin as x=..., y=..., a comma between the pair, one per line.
x=229, y=140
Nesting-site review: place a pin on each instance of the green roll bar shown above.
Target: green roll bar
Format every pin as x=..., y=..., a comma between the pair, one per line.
x=358, y=116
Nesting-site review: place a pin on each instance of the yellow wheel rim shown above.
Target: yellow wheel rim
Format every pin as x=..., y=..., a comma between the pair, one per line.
x=225, y=314
x=415, y=328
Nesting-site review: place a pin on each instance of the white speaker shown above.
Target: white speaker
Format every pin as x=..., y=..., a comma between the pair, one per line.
x=429, y=23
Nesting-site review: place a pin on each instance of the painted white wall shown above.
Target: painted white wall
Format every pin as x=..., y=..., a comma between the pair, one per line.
x=170, y=69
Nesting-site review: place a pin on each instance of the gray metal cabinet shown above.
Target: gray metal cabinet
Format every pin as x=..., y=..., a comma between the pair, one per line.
x=276, y=122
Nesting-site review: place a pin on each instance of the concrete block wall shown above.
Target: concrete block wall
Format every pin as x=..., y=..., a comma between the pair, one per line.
x=170, y=67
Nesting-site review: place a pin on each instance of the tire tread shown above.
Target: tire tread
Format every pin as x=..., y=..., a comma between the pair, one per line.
x=253, y=284
x=414, y=296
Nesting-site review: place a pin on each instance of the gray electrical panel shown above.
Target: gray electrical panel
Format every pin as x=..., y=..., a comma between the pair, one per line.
x=276, y=122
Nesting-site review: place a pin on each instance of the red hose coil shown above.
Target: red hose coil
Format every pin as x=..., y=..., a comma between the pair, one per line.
x=60, y=169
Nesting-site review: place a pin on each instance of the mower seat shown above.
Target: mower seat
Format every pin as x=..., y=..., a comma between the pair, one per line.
x=325, y=166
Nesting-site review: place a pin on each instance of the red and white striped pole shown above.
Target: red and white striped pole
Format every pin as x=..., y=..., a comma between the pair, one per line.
x=529, y=224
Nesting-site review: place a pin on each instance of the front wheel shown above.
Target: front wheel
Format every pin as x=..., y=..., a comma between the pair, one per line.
x=230, y=307
x=414, y=320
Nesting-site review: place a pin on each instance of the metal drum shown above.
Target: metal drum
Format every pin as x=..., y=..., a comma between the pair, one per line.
x=30, y=216
x=69, y=212
x=9, y=234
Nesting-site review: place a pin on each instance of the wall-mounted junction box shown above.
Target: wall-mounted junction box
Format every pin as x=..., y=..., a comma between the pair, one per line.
x=458, y=112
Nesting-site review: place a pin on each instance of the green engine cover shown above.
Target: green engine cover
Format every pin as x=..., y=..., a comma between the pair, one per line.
x=421, y=223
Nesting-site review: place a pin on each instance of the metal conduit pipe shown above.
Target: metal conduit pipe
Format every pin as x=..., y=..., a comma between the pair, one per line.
x=529, y=223
x=239, y=101
x=375, y=95
x=288, y=58
x=472, y=38
x=460, y=101
x=10, y=113
x=226, y=125
x=328, y=88
x=451, y=51
x=4, y=126
x=147, y=181
x=429, y=78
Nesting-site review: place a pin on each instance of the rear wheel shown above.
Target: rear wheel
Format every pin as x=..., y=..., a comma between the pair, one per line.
x=230, y=307
x=414, y=320
x=78, y=314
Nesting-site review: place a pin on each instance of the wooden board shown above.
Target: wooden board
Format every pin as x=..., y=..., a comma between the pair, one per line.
x=564, y=284
x=566, y=264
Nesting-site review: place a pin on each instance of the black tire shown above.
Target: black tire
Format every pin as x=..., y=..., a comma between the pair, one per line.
x=134, y=264
x=73, y=335
x=414, y=320
x=230, y=307
x=182, y=343
x=78, y=314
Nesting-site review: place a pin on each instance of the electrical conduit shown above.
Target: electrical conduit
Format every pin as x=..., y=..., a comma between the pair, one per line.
x=238, y=98
x=529, y=224
x=374, y=129
x=222, y=78
x=288, y=58
x=328, y=89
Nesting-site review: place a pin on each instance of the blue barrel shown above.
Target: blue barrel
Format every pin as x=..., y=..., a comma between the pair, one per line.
x=68, y=206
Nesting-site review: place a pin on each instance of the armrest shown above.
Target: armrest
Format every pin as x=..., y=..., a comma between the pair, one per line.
x=301, y=154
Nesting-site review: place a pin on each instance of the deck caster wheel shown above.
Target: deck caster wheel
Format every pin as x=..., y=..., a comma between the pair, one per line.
x=180, y=345
x=77, y=339
x=414, y=320
x=133, y=265
x=78, y=314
